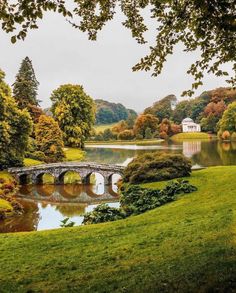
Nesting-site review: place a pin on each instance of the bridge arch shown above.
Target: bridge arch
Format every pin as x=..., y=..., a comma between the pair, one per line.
x=24, y=179
x=114, y=178
x=44, y=178
x=70, y=177
x=94, y=177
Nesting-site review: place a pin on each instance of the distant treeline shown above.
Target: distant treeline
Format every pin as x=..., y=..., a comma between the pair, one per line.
x=107, y=112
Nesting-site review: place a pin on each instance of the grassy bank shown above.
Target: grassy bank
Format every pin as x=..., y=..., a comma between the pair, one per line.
x=186, y=246
x=192, y=135
x=126, y=142
x=72, y=154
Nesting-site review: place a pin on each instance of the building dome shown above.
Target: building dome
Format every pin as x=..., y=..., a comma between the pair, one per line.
x=187, y=120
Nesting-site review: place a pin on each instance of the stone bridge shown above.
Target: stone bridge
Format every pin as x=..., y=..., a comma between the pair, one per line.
x=34, y=174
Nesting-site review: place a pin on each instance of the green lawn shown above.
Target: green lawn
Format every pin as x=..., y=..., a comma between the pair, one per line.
x=74, y=154
x=191, y=135
x=185, y=246
x=32, y=162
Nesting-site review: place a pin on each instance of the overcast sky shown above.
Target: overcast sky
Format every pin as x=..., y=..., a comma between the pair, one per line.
x=62, y=54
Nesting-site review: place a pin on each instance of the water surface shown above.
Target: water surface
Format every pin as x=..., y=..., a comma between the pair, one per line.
x=45, y=206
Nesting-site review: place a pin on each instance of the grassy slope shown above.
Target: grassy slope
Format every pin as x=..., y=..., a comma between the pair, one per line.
x=74, y=154
x=31, y=162
x=190, y=135
x=186, y=246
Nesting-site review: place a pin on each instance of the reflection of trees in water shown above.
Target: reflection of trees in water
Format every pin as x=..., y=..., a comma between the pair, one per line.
x=108, y=156
x=71, y=210
x=215, y=153
x=113, y=156
x=70, y=190
x=45, y=190
x=28, y=221
x=227, y=153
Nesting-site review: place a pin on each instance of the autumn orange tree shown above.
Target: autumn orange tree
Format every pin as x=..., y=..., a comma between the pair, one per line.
x=145, y=121
x=49, y=139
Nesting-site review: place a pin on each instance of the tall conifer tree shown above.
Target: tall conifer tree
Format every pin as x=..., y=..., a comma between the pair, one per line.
x=25, y=88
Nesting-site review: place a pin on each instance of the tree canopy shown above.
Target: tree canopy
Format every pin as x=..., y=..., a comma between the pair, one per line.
x=49, y=139
x=74, y=111
x=25, y=87
x=15, y=128
x=228, y=121
x=205, y=26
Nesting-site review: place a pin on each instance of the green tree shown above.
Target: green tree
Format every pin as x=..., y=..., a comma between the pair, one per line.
x=162, y=108
x=228, y=120
x=205, y=26
x=181, y=111
x=25, y=87
x=148, y=133
x=15, y=128
x=49, y=139
x=74, y=111
x=127, y=134
x=108, y=134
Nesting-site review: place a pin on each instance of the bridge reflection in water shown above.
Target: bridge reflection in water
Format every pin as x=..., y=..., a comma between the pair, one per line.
x=45, y=206
x=69, y=193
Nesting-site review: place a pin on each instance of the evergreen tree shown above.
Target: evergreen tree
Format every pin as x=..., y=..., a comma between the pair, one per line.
x=15, y=128
x=26, y=85
x=49, y=139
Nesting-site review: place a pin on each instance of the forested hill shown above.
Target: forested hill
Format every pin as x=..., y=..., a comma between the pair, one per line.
x=206, y=109
x=111, y=112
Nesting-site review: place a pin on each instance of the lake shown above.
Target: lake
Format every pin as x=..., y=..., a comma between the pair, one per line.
x=47, y=205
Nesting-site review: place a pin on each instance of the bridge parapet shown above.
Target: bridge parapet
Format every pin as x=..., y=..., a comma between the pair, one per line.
x=33, y=174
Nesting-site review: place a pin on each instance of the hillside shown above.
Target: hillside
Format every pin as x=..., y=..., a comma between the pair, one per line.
x=108, y=112
x=186, y=246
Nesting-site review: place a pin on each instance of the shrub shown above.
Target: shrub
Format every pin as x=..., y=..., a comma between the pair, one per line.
x=103, y=213
x=225, y=135
x=157, y=167
x=233, y=136
x=136, y=200
x=126, y=135
x=139, y=137
x=164, y=135
x=37, y=155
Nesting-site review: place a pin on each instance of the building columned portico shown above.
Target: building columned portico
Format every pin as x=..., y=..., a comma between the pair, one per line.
x=188, y=125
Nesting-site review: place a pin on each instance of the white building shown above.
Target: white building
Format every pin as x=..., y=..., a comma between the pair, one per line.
x=189, y=126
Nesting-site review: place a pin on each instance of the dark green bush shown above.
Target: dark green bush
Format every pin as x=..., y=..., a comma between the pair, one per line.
x=157, y=166
x=37, y=155
x=103, y=213
x=136, y=200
